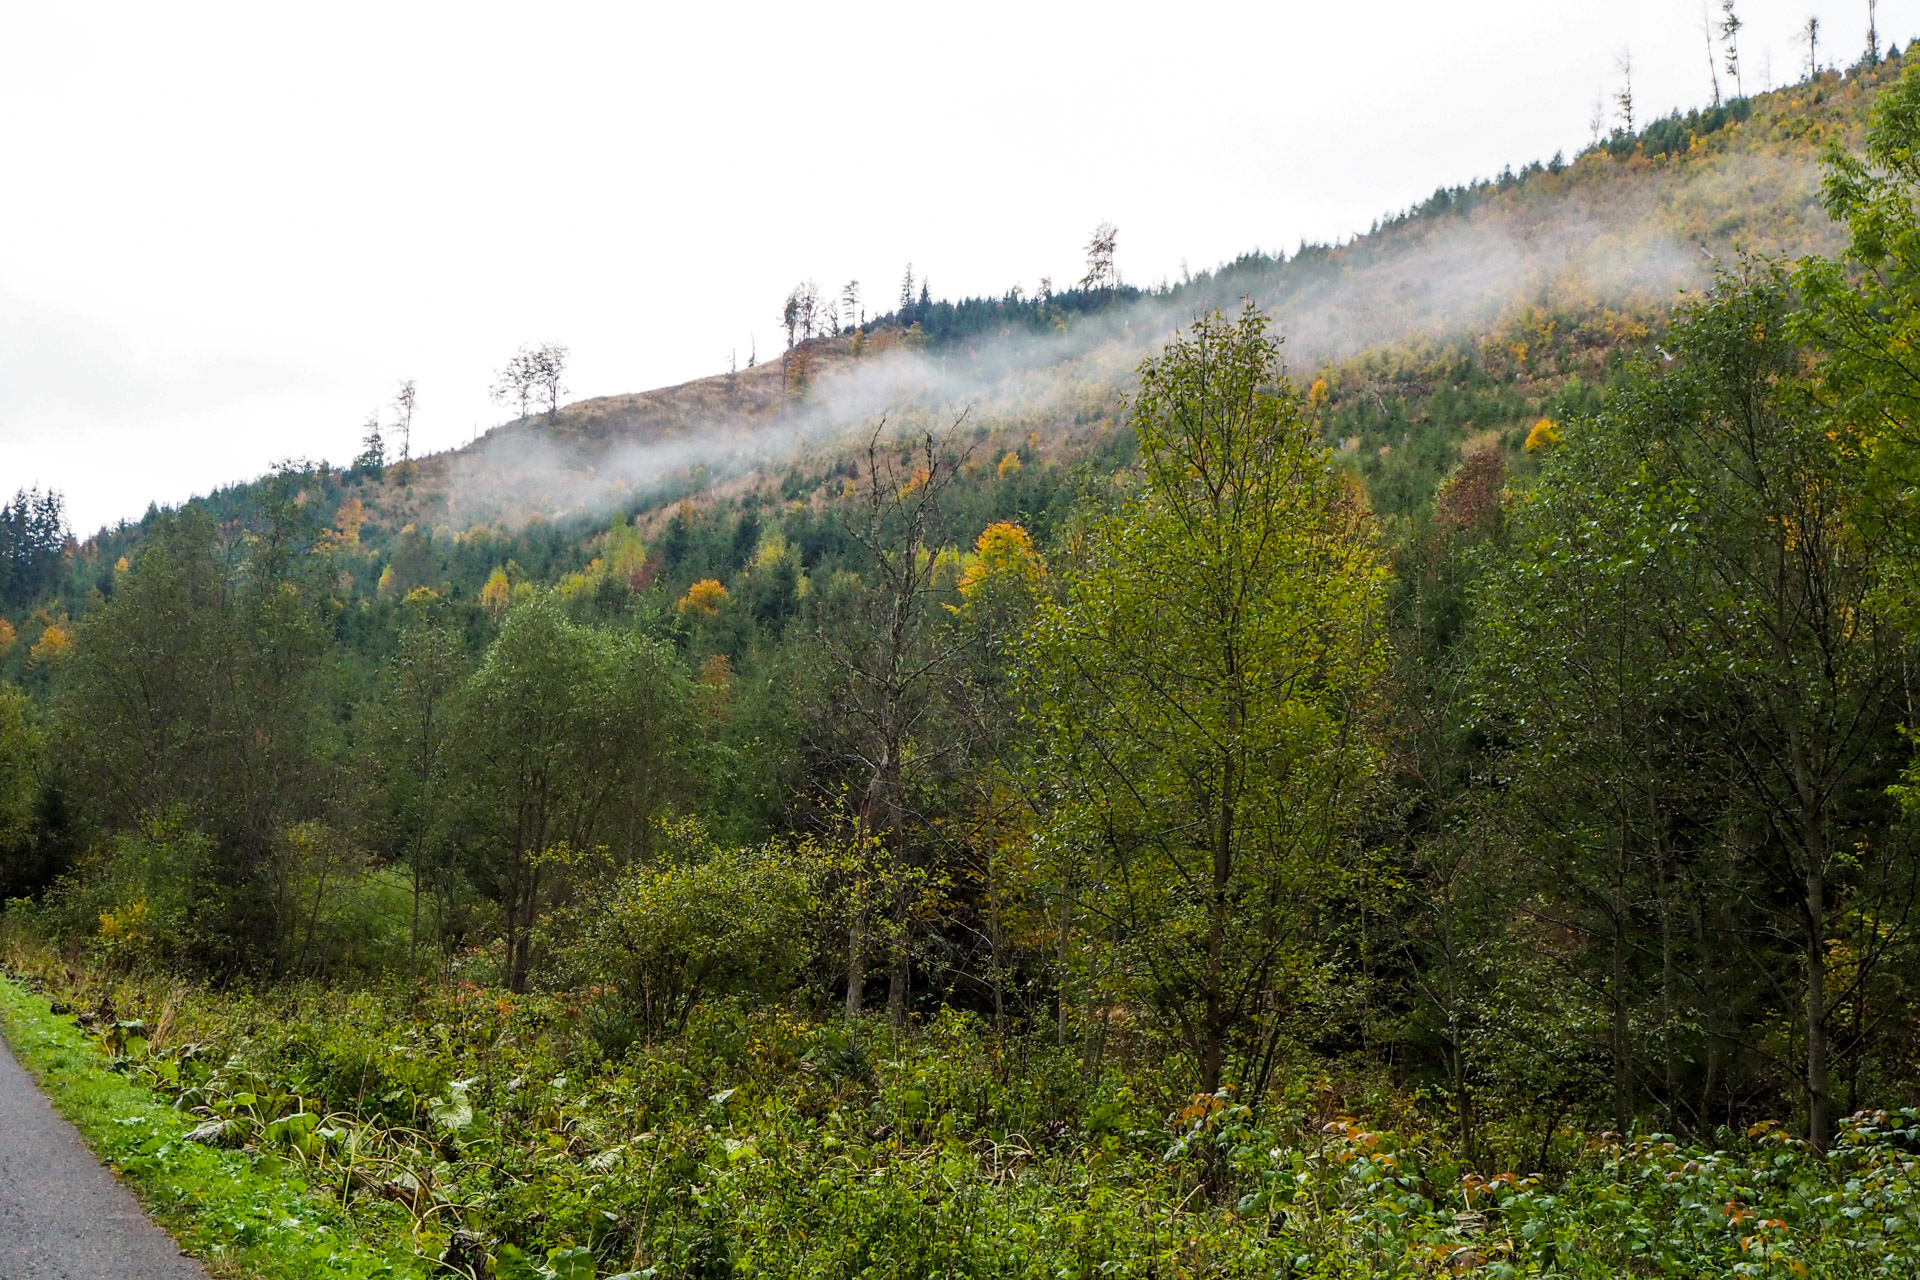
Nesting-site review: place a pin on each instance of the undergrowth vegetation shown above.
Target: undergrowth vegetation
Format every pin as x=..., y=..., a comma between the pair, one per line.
x=1452, y=814
x=486, y=1133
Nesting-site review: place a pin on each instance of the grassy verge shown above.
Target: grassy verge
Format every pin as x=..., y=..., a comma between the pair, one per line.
x=242, y=1214
x=381, y=1128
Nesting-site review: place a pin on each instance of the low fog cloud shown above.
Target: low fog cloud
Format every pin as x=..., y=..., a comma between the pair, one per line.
x=1437, y=278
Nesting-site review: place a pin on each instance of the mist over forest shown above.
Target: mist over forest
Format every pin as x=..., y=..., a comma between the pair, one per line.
x=1389, y=759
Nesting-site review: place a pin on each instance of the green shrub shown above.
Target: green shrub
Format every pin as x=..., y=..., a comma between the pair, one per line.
x=703, y=923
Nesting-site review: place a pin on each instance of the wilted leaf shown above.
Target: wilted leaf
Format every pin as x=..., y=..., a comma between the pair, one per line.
x=213, y=1133
x=454, y=1112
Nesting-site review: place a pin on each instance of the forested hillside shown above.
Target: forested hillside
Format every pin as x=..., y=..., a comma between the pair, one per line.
x=1392, y=759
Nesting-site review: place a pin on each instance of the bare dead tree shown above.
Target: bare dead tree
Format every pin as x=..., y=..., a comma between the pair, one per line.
x=1101, y=274
x=515, y=383
x=801, y=316
x=533, y=375
x=550, y=371
x=1713, y=64
x=403, y=401
x=894, y=656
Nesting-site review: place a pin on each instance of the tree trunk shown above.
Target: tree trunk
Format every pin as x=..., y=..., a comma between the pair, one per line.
x=857, y=927
x=1062, y=943
x=900, y=977
x=521, y=918
x=1710, y=1012
x=1668, y=1049
x=997, y=942
x=1819, y=1095
x=856, y=963
x=413, y=928
x=1213, y=1051
x=1813, y=847
x=1622, y=1033
x=1456, y=1036
x=512, y=922
x=1093, y=1048
x=1620, y=909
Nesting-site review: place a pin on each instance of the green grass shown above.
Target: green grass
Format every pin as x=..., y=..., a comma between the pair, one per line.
x=242, y=1214
x=762, y=1143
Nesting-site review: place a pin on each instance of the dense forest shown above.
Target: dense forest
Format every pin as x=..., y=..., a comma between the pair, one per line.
x=1448, y=808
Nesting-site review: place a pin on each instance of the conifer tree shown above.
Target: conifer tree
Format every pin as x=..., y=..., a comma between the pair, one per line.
x=1730, y=41
x=1623, y=97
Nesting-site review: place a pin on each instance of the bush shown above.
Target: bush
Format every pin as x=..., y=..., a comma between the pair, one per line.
x=662, y=938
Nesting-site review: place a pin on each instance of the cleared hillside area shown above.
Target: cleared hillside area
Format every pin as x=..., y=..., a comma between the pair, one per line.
x=1532, y=277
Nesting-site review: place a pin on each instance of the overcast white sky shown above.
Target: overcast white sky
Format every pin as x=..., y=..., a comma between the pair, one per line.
x=228, y=231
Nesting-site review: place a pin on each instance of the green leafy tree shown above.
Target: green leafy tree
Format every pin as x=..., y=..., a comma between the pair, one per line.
x=1709, y=509
x=1601, y=845
x=1198, y=689
x=1865, y=317
x=19, y=784
x=410, y=752
x=1001, y=587
x=194, y=695
x=566, y=740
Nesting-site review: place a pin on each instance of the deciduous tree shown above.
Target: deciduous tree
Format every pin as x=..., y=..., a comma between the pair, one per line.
x=1199, y=690
x=567, y=739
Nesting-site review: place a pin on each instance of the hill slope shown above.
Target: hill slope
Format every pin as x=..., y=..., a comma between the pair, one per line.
x=1461, y=321
x=1538, y=275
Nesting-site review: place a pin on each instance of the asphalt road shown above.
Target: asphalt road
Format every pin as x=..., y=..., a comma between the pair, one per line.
x=63, y=1216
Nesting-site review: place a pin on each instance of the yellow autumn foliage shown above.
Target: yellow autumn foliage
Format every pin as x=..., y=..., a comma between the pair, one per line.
x=126, y=925
x=704, y=597
x=1003, y=552
x=495, y=596
x=348, y=519
x=55, y=643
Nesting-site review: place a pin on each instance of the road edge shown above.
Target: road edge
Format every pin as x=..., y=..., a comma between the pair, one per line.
x=220, y=1207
